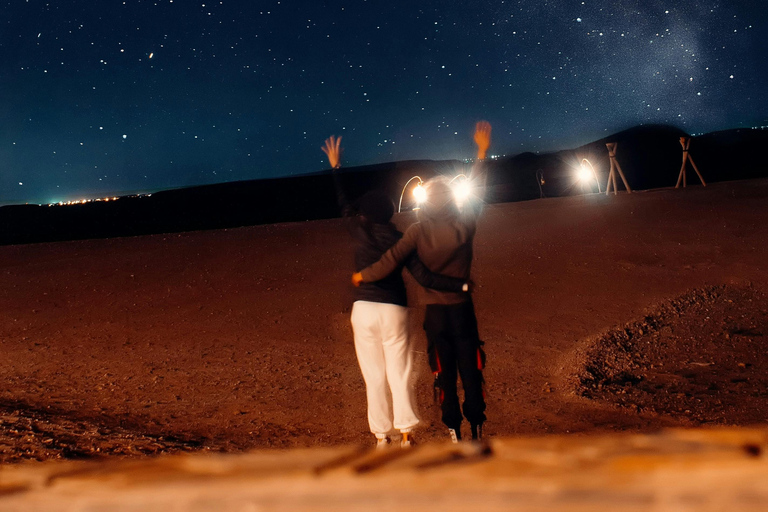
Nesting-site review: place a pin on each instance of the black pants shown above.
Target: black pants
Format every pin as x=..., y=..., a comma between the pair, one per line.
x=454, y=349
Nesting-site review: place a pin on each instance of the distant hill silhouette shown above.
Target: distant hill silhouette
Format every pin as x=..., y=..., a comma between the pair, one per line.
x=649, y=155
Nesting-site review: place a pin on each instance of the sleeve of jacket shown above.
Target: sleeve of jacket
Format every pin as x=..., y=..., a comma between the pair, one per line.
x=479, y=179
x=347, y=209
x=393, y=258
x=429, y=279
x=479, y=174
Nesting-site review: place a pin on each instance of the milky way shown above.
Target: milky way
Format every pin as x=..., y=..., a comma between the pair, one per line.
x=111, y=97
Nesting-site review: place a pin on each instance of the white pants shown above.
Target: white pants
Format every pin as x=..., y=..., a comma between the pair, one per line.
x=386, y=360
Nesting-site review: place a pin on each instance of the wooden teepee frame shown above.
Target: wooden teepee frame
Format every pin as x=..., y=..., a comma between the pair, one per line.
x=686, y=143
x=615, y=167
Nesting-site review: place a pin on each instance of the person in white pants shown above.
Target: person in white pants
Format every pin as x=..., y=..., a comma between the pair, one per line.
x=385, y=357
x=379, y=314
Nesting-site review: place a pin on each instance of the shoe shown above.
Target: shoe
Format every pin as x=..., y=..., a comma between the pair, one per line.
x=455, y=434
x=407, y=441
x=382, y=443
x=477, y=432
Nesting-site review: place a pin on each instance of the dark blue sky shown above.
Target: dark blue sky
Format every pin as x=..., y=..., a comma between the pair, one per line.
x=110, y=96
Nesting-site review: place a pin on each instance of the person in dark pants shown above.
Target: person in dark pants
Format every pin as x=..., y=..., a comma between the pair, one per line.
x=453, y=345
x=443, y=240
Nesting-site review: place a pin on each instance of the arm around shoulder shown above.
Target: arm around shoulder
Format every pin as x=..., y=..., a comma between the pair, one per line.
x=393, y=258
x=429, y=279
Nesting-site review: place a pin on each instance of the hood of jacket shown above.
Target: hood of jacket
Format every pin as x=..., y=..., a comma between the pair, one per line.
x=440, y=203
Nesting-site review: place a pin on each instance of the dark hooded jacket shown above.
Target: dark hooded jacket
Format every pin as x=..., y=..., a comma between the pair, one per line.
x=442, y=239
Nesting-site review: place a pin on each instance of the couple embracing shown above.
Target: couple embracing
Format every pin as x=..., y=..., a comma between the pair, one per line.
x=438, y=251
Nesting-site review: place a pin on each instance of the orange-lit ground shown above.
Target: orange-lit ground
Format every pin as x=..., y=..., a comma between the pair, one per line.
x=240, y=338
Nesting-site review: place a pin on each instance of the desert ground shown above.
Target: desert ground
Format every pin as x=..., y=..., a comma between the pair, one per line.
x=631, y=312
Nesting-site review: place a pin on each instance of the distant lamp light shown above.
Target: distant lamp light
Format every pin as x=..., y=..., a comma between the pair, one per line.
x=586, y=173
x=540, y=181
x=419, y=192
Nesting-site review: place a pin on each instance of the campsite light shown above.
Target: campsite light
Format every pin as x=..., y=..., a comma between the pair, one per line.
x=419, y=192
x=586, y=173
x=461, y=188
x=460, y=185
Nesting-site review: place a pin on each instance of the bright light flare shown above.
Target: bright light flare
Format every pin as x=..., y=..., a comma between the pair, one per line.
x=462, y=190
x=584, y=174
x=419, y=193
x=460, y=185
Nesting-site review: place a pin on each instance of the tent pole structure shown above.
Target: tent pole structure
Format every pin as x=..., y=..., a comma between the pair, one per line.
x=615, y=167
x=686, y=143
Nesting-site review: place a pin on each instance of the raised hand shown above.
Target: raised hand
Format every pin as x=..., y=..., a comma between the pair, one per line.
x=482, y=138
x=332, y=149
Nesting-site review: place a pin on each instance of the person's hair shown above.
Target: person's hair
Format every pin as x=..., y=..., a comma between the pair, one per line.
x=440, y=197
x=376, y=206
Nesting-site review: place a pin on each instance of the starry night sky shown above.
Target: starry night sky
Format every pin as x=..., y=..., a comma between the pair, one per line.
x=106, y=97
